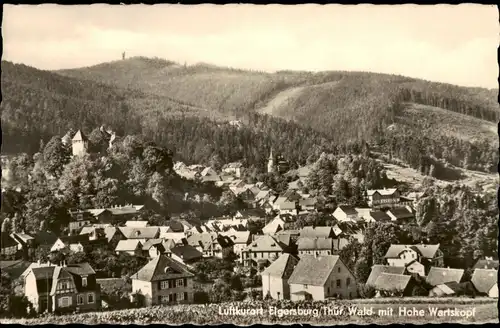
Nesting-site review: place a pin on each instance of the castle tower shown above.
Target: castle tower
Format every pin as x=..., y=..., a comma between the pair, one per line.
x=270, y=163
x=79, y=144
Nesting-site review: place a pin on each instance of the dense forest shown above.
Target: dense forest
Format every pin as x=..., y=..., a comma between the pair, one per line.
x=184, y=108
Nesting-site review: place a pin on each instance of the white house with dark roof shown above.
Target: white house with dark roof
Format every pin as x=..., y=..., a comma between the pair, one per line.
x=392, y=284
x=404, y=255
x=381, y=198
x=317, y=232
x=164, y=281
x=264, y=249
x=485, y=281
x=130, y=246
x=345, y=213
x=275, y=277
x=274, y=226
x=322, y=277
x=401, y=214
x=241, y=239
x=320, y=246
x=235, y=168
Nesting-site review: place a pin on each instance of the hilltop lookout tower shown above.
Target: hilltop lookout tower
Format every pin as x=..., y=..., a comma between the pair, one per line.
x=79, y=144
x=123, y=55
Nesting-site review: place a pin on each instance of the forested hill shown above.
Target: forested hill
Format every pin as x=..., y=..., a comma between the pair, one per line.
x=299, y=114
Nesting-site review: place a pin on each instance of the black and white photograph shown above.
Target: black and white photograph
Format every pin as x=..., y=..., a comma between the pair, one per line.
x=249, y=164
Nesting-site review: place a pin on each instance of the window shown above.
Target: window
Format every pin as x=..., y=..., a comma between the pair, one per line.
x=180, y=283
x=164, y=299
x=65, y=301
x=348, y=281
x=254, y=255
x=305, y=286
x=328, y=290
x=90, y=298
x=164, y=284
x=84, y=281
x=339, y=283
x=64, y=285
x=338, y=269
x=80, y=299
x=180, y=297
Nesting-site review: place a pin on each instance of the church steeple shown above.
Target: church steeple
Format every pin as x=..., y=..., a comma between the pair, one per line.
x=270, y=163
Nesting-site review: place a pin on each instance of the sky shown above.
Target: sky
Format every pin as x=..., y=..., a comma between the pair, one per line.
x=445, y=43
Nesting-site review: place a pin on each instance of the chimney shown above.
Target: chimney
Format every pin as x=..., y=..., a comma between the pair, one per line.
x=38, y=262
x=48, y=263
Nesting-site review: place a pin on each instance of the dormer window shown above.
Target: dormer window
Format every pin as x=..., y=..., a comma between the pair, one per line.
x=84, y=281
x=137, y=233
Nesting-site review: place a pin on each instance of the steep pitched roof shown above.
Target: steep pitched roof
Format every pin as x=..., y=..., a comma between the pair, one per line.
x=437, y=276
x=349, y=210
x=484, y=279
x=401, y=213
x=43, y=277
x=128, y=245
x=450, y=288
x=186, y=252
x=383, y=192
x=140, y=233
x=162, y=268
x=306, y=243
x=390, y=281
x=75, y=239
x=201, y=239
x=427, y=251
x=486, y=264
x=313, y=271
x=265, y=243
x=80, y=269
x=274, y=226
x=287, y=206
x=79, y=136
x=14, y=268
x=378, y=269
x=238, y=237
x=282, y=267
x=310, y=231
x=379, y=216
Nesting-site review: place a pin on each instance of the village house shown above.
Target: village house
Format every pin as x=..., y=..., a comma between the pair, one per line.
x=262, y=251
x=383, y=198
x=155, y=247
x=448, y=289
x=394, y=285
x=62, y=288
x=296, y=185
x=401, y=214
x=164, y=281
x=80, y=144
x=130, y=246
x=345, y=213
x=378, y=269
x=112, y=234
x=76, y=243
x=8, y=245
x=140, y=233
x=320, y=246
x=209, y=175
x=485, y=281
x=317, y=232
x=275, y=277
x=235, y=168
x=288, y=208
x=250, y=214
x=308, y=204
x=45, y=239
x=24, y=241
x=210, y=244
x=322, y=277
x=240, y=239
x=486, y=264
x=376, y=216
x=136, y=224
x=438, y=276
x=118, y=214
x=79, y=219
x=416, y=258
x=274, y=226
x=185, y=254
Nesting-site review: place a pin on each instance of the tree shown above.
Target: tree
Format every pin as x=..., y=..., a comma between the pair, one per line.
x=7, y=225
x=229, y=255
x=55, y=156
x=350, y=254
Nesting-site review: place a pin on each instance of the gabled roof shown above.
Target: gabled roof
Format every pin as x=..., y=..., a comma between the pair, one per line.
x=109, y=232
x=379, y=216
x=313, y=271
x=43, y=277
x=14, y=268
x=22, y=237
x=306, y=243
x=383, y=192
x=186, y=252
x=450, y=288
x=349, y=210
x=75, y=239
x=285, y=239
x=308, y=202
x=80, y=269
x=238, y=237
x=486, y=264
x=140, y=233
x=127, y=245
x=79, y=136
x=262, y=194
x=378, y=269
x=282, y=267
x=484, y=279
x=390, y=281
x=97, y=211
x=287, y=206
x=310, y=231
x=265, y=243
x=401, y=213
x=274, y=226
x=438, y=276
x=427, y=251
x=162, y=268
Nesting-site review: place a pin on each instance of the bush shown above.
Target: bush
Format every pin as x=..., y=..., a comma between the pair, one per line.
x=366, y=291
x=201, y=297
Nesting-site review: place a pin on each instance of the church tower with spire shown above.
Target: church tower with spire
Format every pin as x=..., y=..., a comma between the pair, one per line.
x=270, y=163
